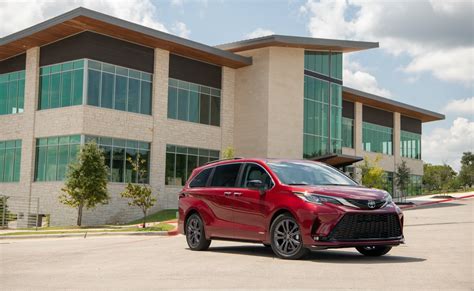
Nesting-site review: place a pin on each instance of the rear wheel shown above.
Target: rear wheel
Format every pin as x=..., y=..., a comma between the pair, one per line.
x=374, y=251
x=287, y=242
x=195, y=235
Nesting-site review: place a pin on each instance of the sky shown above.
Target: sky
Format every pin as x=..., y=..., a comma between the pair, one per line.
x=426, y=54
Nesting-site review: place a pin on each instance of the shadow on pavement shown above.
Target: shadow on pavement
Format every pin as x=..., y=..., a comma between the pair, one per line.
x=322, y=256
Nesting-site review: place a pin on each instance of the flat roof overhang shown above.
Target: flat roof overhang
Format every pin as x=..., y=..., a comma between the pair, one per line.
x=82, y=19
x=372, y=100
x=309, y=43
x=338, y=160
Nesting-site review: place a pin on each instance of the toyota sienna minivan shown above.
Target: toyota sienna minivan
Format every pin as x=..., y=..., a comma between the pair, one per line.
x=291, y=206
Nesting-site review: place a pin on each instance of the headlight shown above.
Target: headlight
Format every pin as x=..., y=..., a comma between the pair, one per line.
x=387, y=198
x=316, y=198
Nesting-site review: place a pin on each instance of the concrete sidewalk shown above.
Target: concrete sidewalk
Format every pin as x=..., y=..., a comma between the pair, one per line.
x=434, y=199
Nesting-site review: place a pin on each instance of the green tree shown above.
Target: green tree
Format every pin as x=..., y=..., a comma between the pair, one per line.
x=437, y=177
x=86, y=181
x=373, y=175
x=140, y=195
x=402, y=176
x=228, y=153
x=466, y=175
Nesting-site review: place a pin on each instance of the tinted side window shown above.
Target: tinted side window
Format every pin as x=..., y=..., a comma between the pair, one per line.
x=256, y=172
x=201, y=179
x=225, y=176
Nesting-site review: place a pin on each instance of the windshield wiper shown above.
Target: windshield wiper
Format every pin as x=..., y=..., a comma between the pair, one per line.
x=298, y=184
x=337, y=185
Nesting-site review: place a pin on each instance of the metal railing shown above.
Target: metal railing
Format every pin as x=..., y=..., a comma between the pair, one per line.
x=19, y=212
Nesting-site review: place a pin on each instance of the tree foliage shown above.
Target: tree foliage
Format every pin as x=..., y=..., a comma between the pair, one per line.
x=402, y=176
x=373, y=176
x=229, y=153
x=466, y=175
x=438, y=177
x=140, y=195
x=86, y=181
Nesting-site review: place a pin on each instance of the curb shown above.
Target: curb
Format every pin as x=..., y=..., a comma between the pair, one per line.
x=86, y=234
x=434, y=202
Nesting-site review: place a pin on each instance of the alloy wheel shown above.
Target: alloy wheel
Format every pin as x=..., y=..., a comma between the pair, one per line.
x=194, y=232
x=287, y=237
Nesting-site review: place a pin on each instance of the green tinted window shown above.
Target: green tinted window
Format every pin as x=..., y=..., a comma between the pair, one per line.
x=53, y=156
x=410, y=145
x=195, y=103
x=61, y=85
x=414, y=186
x=181, y=161
x=119, y=88
x=377, y=138
x=117, y=153
x=12, y=92
x=347, y=132
x=10, y=160
x=336, y=65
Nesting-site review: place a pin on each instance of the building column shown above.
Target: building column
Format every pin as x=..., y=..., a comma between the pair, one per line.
x=358, y=129
x=159, y=111
x=28, y=128
x=227, y=108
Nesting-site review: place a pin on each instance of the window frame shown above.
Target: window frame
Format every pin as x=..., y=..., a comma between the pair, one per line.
x=242, y=172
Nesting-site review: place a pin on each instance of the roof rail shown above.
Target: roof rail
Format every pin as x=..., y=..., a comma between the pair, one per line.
x=215, y=161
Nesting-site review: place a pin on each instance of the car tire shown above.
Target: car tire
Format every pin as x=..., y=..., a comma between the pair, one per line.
x=195, y=234
x=286, y=239
x=373, y=251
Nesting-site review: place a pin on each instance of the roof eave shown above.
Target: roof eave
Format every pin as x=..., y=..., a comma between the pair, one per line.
x=83, y=12
x=427, y=115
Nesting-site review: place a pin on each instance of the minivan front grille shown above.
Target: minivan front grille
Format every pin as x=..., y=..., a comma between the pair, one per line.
x=357, y=226
x=364, y=204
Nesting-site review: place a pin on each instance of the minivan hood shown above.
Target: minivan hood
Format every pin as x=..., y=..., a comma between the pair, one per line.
x=350, y=192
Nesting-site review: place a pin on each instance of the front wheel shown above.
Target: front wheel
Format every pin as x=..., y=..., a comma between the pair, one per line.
x=287, y=242
x=373, y=251
x=195, y=235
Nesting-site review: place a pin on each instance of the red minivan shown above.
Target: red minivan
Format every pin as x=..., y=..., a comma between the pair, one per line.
x=291, y=206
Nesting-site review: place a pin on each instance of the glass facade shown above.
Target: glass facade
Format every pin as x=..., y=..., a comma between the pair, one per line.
x=388, y=182
x=12, y=92
x=117, y=153
x=61, y=85
x=195, y=103
x=377, y=138
x=107, y=86
x=410, y=145
x=181, y=161
x=53, y=156
x=10, y=161
x=119, y=88
x=347, y=132
x=414, y=186
x=322, y=104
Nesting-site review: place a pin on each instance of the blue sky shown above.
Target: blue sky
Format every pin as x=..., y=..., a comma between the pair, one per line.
x=426, y=54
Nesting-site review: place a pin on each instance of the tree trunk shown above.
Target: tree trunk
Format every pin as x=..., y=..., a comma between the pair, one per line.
x=144, y=219
x=79, y=215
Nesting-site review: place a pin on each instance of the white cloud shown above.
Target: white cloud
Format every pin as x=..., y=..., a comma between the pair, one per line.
x=32, y=12
x=462, y=106
x=430, y=32
x=181, y=30
x=259, y=32
x=177, y=2
x=447, y=145
x=357, y=77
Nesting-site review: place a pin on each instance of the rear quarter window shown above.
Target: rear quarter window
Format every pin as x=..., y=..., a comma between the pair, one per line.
x=201, y=179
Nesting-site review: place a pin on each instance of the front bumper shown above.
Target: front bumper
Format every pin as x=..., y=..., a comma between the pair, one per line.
x=329, y=226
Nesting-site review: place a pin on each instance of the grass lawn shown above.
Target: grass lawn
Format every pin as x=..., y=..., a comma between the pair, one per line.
x=163, y=215
x=64, y=230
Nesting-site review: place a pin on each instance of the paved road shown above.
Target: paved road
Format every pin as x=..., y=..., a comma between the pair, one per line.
x=438, y=254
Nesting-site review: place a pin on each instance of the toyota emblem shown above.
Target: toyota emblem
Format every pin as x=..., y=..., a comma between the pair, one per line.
x=371, y=204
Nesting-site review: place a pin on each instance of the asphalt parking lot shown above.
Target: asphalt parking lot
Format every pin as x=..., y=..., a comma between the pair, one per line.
x=438, y=255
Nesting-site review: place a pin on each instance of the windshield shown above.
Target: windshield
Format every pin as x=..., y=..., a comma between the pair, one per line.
x=308, y=173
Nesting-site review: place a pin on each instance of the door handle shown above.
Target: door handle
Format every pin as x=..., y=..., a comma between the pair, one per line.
x=227, y=193
x=237, y=193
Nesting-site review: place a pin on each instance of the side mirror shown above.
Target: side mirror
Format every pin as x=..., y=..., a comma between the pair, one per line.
x=257, y=185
